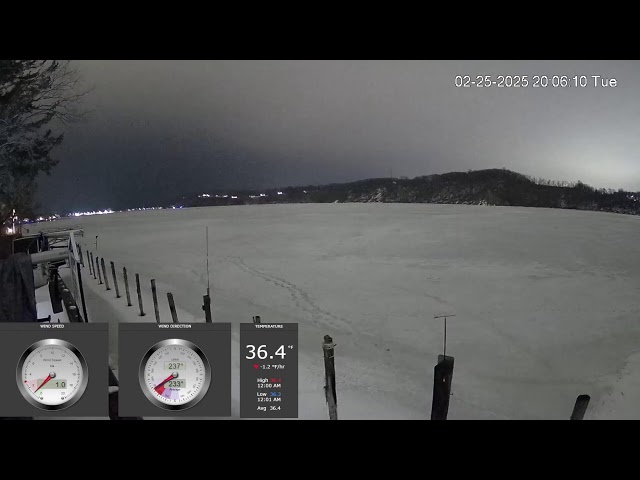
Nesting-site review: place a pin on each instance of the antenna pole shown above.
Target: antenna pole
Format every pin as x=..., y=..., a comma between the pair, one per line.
x=444, y=350
x=208, y=291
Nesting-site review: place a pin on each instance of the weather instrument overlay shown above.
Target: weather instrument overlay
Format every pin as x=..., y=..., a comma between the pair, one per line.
x=52, y=374
x=175, y=374
x=269, y=370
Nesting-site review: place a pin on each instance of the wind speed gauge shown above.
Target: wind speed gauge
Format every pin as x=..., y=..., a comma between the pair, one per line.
x=174, y=374
x=52, y=374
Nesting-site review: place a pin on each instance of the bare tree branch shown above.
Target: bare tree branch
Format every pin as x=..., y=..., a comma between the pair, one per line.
x=37, y=97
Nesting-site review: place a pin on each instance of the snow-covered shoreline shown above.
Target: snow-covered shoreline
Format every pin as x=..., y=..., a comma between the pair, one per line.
x=546, y=300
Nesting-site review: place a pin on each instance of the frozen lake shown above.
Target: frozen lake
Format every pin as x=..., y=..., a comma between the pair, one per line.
x=547, y=301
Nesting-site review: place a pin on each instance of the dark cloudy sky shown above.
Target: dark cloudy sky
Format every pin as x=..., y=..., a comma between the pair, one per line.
x=158, y=129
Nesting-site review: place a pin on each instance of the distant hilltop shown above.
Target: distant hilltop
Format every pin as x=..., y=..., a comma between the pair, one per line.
x=475, y=187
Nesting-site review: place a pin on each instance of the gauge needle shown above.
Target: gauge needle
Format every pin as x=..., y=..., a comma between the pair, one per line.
x=49, y=377
x=170, y=377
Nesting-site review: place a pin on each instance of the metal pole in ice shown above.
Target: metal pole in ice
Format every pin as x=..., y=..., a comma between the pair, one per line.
x=104, y=274
x=142, y=314
x=99, y=273
x=126, y=285
x=154, y=294
x=93, y=265
x=172, y=307
x=208, y=289
x=206, y=305
x=115, y=279
x=444, y=350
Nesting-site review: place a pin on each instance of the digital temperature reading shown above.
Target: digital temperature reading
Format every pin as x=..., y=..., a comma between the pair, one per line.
x=269, y=370
x=261, y=352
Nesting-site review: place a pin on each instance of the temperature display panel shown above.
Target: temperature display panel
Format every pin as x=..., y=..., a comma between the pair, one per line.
x=269, y=370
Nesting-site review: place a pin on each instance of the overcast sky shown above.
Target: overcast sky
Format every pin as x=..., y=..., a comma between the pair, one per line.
x=158, y=129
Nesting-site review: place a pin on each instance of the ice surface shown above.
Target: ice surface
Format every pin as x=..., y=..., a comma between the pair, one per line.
x=547, y=301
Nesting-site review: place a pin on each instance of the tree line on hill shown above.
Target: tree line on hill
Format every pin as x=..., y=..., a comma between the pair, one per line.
x=500, y=187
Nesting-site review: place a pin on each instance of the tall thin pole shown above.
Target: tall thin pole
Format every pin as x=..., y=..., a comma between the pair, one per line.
x=93, y=265
x=104, y=273
x=142, y=314
x=208, y=285
x=99, y=274
x=126, y=285
x=115, y=279
x=154, y=294
x=444, y=350
x=206, y=305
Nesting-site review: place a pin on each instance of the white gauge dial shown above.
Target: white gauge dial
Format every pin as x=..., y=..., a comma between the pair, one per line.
x=174, y=374
x=52, y=374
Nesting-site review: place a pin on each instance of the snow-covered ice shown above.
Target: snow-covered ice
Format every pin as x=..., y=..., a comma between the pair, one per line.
x=547, y=301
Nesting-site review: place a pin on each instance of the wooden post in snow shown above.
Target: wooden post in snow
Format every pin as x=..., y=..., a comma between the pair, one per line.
x=142, y=314
x=442, y=378
x=580, y=408
x=89, y=263
x=104, y=274
x=154, y=294
x=207, y=308
x=93, y=265
x=172, y=307
x=115, y=279
x=330, y=377
x=99, y=274
x=126, y=286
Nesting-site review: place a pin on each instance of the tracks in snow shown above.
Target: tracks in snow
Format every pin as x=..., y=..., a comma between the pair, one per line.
x=301, y=299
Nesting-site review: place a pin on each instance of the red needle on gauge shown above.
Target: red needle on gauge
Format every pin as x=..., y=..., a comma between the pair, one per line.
x=49, y=377
x=170, y=377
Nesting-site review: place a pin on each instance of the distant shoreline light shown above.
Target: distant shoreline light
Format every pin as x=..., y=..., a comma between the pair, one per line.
x=84, y=214
x=141, y=209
